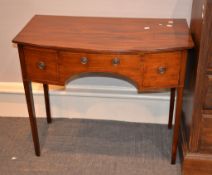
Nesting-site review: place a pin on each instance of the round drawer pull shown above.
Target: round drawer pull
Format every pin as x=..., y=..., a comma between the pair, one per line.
x=41, y=65
x=116, y=61
x=84, y=60
x=162, y=70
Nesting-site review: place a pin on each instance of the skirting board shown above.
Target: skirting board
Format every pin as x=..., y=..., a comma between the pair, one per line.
x=89, y=102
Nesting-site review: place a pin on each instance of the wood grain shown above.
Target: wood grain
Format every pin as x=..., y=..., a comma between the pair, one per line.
x=197, y=80
x=129, y=67
x=93, y=34
x=47, y=103
x=99, y=61
x=30, y=102
x=32, y=116
x=197, y=97
x=208, y=92
x=206, y=134
x=33, y=56
x=196, y=164
x=210, y=55
x=193, y=163
x=178, y=113
x=152, y=62
x=171, y=107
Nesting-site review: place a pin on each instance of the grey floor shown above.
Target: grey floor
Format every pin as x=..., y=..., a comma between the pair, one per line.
x=86, y=147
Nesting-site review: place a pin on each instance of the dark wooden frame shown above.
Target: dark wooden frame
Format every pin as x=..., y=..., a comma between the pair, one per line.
x=196, y=126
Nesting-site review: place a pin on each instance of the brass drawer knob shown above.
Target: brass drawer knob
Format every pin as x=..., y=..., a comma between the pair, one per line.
x=116, y=61
x=162, y=70
x=84, y=60
x=41, y=65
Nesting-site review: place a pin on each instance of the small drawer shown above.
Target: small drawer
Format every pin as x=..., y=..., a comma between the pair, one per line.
x=208, y=92
x=161, y=70
x=206, y=133
x=41, y=64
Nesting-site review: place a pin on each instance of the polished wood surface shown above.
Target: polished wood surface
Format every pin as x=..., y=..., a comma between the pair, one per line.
x=171, y=107
x=47, y=102
x=206, y=134
x=32, y=116
x=201, y=32
x=35, y=56
x=141, y=70
x=197, y=103
x=128, y=67
x=30, y=102
x=150, y=53
x=128, y=35
x=208, y=92
x=178, y=107
x=153, y=78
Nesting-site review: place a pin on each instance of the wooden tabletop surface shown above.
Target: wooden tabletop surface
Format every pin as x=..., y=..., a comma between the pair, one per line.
x=97, y=34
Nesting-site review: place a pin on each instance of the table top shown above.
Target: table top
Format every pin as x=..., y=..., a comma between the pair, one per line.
x=101, y=34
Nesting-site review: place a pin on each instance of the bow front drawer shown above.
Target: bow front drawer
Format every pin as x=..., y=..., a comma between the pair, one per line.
x=86, y=61
x=161, y=70
x=41, y=64
x=128, y=66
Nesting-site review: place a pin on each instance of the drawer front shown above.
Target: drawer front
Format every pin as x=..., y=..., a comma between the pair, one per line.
x=161, y=70
x=85, y=61
x=41, y=64
x=208, y=92
x=77, y=63
x=206, y=133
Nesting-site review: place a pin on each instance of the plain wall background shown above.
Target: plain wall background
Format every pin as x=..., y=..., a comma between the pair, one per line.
x=16, y=13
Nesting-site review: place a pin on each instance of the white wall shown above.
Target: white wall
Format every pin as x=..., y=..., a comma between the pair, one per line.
x=15, y=14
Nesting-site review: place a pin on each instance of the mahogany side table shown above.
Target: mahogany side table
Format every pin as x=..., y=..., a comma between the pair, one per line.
x=150, y=53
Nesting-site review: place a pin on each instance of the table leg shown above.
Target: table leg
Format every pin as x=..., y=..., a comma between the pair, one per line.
x=177, y=124
x=171, y=107
x=47, y=103
x=32, y=117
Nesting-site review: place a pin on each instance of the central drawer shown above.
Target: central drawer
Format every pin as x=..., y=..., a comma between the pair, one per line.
x=86, y=61
x=125, y=65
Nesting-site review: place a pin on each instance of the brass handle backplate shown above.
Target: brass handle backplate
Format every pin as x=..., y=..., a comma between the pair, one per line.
x=116, y=61
x=41, y=65
x=162, y=70
x=84, y=60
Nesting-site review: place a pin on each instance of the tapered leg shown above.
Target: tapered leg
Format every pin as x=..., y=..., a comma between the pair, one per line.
x=46, y=94
x=32, y=117
x=171, y=108
x=177, y=123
